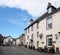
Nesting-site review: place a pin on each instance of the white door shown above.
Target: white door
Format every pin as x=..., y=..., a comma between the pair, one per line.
x=49, y=41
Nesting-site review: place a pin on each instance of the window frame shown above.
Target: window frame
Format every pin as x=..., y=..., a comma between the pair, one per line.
x=37, y=25
x=32, y=28
x=28, y=30
x=38, y=34
x=47, y=37
x=32, y=36
x=37, y=43
x=47, y=27
x=27, y=37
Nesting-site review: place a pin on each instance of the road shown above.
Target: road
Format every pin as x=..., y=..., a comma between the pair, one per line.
x=15, y=50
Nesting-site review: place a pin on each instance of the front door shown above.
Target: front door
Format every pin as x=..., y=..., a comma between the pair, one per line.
x=49, y=41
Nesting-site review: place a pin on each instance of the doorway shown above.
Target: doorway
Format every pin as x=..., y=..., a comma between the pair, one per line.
x=49, y=40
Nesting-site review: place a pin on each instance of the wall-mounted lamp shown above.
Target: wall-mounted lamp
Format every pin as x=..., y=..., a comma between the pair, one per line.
x=59, y=33
x=41, y=35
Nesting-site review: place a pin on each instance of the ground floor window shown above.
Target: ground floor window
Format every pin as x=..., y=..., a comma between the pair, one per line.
x=37, y=43
x=49, y=40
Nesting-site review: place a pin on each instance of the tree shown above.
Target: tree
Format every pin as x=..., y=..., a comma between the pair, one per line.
x=1, y=39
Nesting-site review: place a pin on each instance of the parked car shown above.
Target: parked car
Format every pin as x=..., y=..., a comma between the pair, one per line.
x=3, y=45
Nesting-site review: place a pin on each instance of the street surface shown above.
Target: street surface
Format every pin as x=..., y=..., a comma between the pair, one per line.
x=15, y=50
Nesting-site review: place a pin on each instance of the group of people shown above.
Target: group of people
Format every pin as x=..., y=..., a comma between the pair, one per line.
x=50, y=50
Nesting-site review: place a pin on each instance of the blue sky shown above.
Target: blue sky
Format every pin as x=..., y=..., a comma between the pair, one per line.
x=15, y=14
x=13, y=21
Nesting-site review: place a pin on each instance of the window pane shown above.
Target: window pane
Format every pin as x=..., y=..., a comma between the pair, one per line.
x=37, y=34
x=25, y=31
x=37, y=43
x=27, y=37
x=49, y=22
x=50, y=42
x=32, y=36
x=37, y=25
x=31, y=28
x=28, y=30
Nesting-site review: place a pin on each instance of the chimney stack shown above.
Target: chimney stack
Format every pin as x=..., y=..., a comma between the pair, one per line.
x=31, y=21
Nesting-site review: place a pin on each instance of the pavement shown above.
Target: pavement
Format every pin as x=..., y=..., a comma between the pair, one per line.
x=15, y=50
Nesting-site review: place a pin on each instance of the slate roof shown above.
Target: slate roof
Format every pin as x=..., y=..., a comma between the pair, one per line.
x=46, y=14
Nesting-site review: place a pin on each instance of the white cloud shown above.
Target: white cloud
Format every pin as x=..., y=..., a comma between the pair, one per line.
x=16, y=22
x=34, y=7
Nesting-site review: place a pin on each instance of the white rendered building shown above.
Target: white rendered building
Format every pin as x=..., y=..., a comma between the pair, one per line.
x=45, y=31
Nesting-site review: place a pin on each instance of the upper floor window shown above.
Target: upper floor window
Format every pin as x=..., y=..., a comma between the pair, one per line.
x=27, y=37
x=32, y=28
x=32, y=36
x=49, y=22
x=25, y=31
x=28, y=30
x=37, y=34
x=37, y=25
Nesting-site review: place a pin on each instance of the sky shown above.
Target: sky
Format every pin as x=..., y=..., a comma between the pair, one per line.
x=15, y=14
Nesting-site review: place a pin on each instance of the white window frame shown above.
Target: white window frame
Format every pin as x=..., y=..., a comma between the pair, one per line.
x=47, y=22
x=48, y=37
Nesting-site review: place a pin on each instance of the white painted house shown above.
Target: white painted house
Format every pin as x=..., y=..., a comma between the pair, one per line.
x=45, y=31
x=14, y=42
x=22, y=39
x=8, y=40
x=17, y=41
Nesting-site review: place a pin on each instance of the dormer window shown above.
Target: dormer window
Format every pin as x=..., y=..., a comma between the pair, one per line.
x=49, y=10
